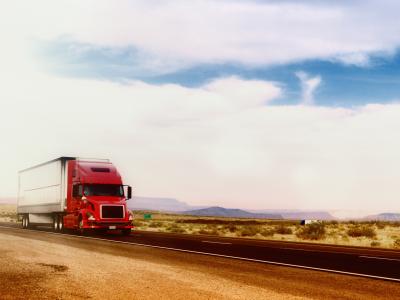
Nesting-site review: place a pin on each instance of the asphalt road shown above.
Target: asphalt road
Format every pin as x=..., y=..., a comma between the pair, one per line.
x=367, y=262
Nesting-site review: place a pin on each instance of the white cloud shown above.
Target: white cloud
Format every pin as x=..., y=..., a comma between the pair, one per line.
x=308, y=86
x=216, y=144
x=171, y=35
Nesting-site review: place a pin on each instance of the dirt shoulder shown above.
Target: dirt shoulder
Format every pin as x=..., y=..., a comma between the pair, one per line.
x=41, y=265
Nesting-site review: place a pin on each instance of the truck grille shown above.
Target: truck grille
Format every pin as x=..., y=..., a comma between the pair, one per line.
x=112, y=211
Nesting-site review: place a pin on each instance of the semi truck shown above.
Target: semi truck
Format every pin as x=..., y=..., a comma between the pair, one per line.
x=74, y=193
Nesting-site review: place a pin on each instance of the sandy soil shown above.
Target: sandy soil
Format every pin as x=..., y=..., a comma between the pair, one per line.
x=50, y=271
x=38, y=265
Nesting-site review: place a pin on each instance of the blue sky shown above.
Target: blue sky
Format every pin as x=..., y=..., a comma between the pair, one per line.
x=342, y=84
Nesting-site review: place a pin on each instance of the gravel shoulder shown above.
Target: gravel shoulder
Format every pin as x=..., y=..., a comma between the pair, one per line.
x=41, y=265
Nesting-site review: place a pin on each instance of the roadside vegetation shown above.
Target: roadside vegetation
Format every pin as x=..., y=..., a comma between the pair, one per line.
x=8, y=213
x=382, y=234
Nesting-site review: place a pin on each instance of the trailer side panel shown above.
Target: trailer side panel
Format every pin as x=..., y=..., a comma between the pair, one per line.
x=42, y=188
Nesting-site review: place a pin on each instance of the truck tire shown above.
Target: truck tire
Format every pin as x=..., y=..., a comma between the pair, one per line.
x=60, y=223
x=55, y=223
x=23, y=222
x=81, y=230
x=27, y=223
x=126, y=232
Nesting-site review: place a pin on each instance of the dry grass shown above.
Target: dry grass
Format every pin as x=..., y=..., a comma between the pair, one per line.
x=8, y=213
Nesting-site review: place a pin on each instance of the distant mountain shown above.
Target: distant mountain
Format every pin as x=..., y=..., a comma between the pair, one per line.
x=162, y=204
x=217, y=211
x=298, y=214
x=384, y=217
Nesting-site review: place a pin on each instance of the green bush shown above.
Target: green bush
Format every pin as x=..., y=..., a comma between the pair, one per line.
x=314, y=231
x=360, y=231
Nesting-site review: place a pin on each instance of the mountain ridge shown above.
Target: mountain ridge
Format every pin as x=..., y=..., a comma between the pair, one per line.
x=218, y=211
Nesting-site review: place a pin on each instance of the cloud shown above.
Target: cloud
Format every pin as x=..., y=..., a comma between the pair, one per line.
x=308, y=86
x=220, y=143
x=174, y=35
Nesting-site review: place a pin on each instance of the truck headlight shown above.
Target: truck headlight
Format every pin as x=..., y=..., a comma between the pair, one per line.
x=130, y=216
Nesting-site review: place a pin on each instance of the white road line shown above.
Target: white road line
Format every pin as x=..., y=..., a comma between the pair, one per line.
x=212, y=242
x=380, y=258
x=306, y=250
x=219, y=255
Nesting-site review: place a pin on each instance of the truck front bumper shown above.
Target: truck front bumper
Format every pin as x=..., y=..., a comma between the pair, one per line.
x=108, y=226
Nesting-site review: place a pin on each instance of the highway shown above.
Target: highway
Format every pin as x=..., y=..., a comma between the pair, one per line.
x=365, y=262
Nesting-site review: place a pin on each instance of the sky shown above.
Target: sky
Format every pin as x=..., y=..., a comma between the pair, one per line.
x=247, y=104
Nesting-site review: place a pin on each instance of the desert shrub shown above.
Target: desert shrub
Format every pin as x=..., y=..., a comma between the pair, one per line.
x=137, y=223
x=176, y=229
x=396, y=243
x=314, y=231
x=375, y=244
x=156, y=224
x=282, y=229
x=360, y=231
x=209, y=230
x=267, y=232
x=380, y=225
x=230, y=227
x=203, y=231
x=250, y=231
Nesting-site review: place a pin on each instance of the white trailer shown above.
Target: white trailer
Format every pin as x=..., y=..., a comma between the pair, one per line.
x=42, y=191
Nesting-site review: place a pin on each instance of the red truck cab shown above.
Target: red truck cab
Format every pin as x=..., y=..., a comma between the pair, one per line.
x=96, y=197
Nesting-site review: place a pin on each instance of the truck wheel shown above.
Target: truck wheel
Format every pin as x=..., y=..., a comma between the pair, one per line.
x=60, y=223
x=81, y=230
x=126, y=232
x=27, y=223
x=55, y=223
x=23, y=222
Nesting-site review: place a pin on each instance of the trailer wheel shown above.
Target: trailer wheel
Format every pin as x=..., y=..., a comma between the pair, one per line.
x=27, y=223
x=23, y=222
x=55, y=223
x=60, y=223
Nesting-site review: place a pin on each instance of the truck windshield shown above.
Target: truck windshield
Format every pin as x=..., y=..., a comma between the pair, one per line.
x=103, y=190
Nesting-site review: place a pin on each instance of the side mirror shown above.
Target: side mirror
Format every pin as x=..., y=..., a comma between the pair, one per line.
x=129, y=193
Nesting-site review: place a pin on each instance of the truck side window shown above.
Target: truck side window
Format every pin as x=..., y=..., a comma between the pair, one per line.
x=77, y=190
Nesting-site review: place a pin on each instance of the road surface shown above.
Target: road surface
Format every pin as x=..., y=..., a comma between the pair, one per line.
x=370, y=262
x=40, y=263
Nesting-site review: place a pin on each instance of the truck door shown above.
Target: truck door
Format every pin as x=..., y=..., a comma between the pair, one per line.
x=77, y=192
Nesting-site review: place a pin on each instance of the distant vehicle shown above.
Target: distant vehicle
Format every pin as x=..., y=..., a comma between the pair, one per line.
x=307, y=222
x=74, y=193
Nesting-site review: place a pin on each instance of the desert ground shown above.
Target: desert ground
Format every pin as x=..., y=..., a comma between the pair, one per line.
x=42, y=265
